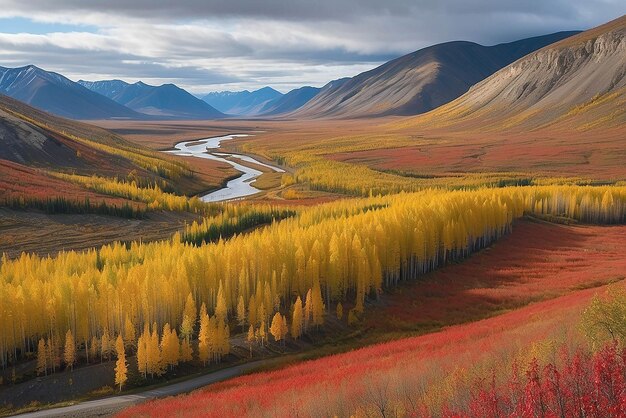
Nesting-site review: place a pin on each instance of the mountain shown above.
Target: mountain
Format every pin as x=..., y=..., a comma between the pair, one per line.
x=577, y=82
x=35, y=138
x=166, y=100
x=290, y=101
x=242, y=103
x=420, y=81
x=57, y=94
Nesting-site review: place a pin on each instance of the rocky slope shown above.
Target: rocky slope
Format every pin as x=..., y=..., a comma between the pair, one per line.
x=579, y=81
x=420, y=81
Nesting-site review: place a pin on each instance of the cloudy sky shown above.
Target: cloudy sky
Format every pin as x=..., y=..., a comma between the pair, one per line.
x=210, y=45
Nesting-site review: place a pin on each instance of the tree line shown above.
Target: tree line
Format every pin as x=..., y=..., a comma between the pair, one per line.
x=343, y=251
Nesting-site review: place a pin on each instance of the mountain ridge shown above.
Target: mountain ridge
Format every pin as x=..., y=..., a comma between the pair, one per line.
x=420, y=81
x=166, y=100
x=55, y=93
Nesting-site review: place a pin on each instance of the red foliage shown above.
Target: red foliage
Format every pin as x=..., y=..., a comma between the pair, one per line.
x=537, y=261
x=21, y=182
x=583, y=386
x=339, y=384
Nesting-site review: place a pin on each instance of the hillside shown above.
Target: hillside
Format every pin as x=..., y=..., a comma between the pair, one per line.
x=578, y=82
x=242, y=103
x=289, y=102
x=420, y=81
x=54, y=93
x=35, y=139
x=167, y=100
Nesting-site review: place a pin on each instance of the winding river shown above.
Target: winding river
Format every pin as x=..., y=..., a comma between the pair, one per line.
x=235, y=188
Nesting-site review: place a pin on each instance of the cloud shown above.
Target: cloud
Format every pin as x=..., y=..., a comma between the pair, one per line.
x=204, y=45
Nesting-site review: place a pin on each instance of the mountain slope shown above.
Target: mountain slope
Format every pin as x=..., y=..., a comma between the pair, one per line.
x=420, y=81
x=580, y=81
x=242, y=103
x=166, y=100
x=289, y=102
x=37, y=139
x=56, y=94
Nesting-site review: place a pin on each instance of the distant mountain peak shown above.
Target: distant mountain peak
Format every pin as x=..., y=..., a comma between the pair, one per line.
x=242, y=103
x=166, y=100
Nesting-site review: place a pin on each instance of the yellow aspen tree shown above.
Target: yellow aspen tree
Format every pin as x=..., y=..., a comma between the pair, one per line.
x=166, y=349
x=142, y=353
x=174, y=351
x=339, y=311
x=155, y=363
x=241, y=312
x=42, y=357
x=190, y=315
x=250, y=338
x=121, y=368
x=52, y=350
x=186, y=352
x=317, y=303
x=262, y=333
x=221, y=310
x=308, y=310
x=69, y=353
x=129, y=333
x=284, y=328
x=224, y=338
x=204, y=336
x=94, y=348
x=252, y=317
x=296, y=321
x=105, y=345
x=276, y=329
x=261, y=313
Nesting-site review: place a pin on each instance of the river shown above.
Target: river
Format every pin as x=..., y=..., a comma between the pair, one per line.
x=208, y=148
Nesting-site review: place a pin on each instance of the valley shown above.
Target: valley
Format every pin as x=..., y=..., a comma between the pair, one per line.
x=442, y=235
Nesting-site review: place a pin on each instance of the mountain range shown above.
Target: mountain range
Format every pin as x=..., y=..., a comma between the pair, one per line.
x=413, y=84
x=167, y=100
x=579, y=81
x=242, y=103
x=420, y=81
x=59, y=95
